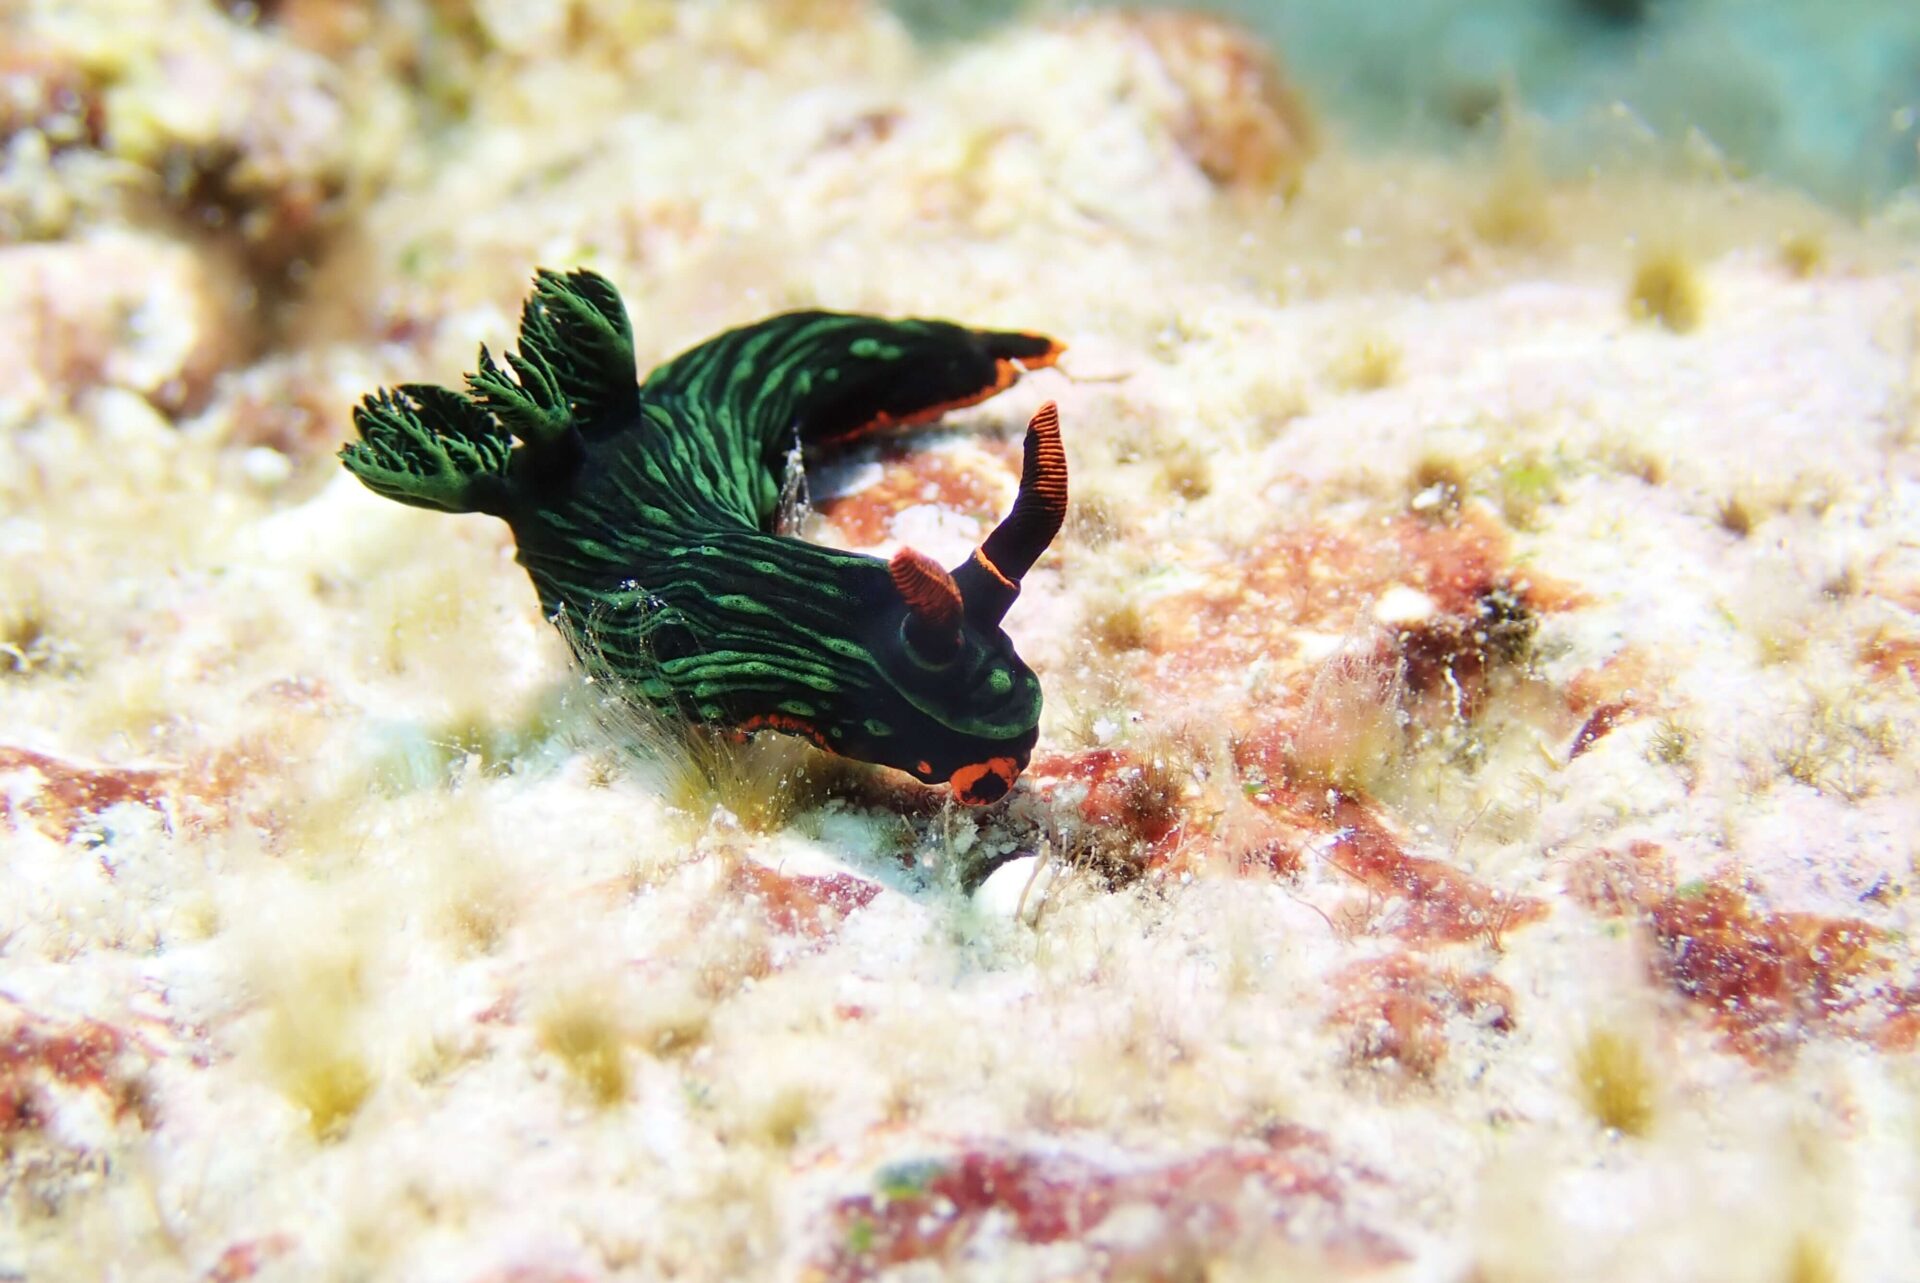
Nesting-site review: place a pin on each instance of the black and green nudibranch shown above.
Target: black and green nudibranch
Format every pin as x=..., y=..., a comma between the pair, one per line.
x=644, y=513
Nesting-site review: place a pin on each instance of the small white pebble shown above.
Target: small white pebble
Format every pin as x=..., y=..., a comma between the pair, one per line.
x=1000, y=895
x=128, y=420
x=1403, y=605
x=265, y=467
x=1314, y=647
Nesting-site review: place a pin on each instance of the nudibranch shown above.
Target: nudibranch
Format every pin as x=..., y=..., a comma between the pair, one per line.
x=644, y=514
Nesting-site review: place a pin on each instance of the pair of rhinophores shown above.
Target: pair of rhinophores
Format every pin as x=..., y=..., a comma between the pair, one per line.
x=644, y=514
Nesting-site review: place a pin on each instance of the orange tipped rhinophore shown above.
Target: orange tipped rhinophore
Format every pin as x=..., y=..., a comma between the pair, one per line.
x=933, y=604
x=990, y=579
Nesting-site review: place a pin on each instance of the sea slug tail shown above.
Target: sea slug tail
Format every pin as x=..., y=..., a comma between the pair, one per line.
x=830, y=378
x=895, y=374
x=431, y=448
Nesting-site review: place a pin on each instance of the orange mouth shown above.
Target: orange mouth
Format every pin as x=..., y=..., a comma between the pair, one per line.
x=985, y=782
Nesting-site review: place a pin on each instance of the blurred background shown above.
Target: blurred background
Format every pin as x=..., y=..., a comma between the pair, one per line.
x=1819, y=94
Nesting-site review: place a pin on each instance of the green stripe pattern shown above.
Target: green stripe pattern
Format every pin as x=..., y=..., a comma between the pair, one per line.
x=643, y=515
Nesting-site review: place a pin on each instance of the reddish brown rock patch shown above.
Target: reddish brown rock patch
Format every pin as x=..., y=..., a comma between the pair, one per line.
x=1257, y=842
x=1893, y=656
x=970, y=482
x=1599, y=724
x=1766, y=979
x=245, y=1259
x=1626, y=678
x=933, y=1211
x=1431, y=901
x=1317, y=580
x=1137, y=816
x=1132, y=812
x=1457, y=563
x=1618, y=883
x=801, y=904
x=41, y=1058
x=1608, y=697
x=1394, y=1011
x=61, y=796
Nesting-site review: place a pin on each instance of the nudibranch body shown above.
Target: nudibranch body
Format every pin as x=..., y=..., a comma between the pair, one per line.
x=643, y=512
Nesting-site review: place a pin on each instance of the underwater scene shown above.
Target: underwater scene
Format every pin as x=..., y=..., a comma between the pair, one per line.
x=824, y=641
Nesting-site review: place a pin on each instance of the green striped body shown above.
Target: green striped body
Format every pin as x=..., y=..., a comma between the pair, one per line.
x=644, y=516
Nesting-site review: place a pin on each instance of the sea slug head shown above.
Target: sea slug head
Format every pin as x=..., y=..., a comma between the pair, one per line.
x=970, y=706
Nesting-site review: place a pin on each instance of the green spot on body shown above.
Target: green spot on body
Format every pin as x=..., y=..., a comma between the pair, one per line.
x=877, y=727
x=799, y=708
x=873, y=350
x=1000, y=681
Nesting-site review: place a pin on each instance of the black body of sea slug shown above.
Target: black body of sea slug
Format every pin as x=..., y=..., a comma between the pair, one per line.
x=644, y=514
